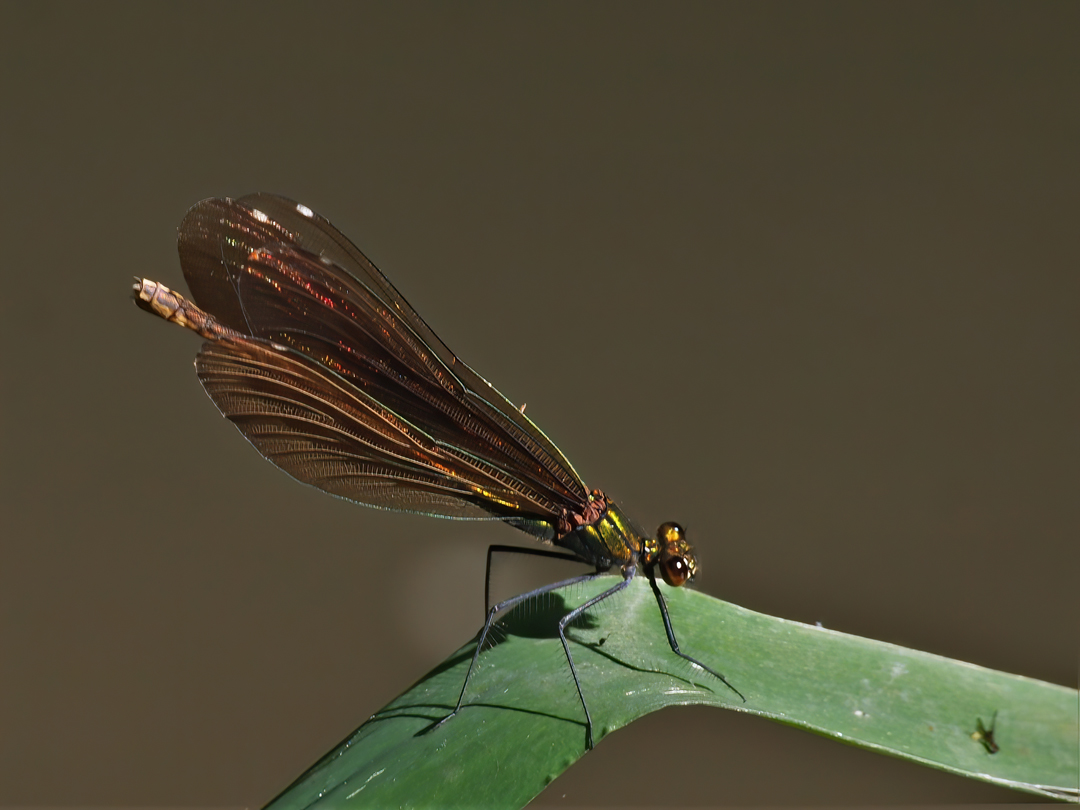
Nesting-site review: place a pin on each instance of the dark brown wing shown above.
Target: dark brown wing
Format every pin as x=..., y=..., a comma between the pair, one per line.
x=322, y=431
x=270, y=268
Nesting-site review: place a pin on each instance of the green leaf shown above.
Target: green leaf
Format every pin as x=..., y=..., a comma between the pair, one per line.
x=522, y=724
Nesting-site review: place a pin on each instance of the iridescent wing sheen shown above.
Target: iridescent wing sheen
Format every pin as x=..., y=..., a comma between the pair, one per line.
x=358, y=396
x=323, y=431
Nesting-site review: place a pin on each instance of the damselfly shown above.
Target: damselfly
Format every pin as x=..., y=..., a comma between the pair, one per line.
x=325, y=368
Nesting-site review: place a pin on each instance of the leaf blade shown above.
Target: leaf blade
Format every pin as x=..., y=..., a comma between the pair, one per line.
x=522, y=724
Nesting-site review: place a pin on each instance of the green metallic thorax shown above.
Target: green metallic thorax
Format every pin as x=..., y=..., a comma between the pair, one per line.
x=611, y=540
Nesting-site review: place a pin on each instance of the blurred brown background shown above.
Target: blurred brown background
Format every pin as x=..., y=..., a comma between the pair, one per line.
x=824, y=256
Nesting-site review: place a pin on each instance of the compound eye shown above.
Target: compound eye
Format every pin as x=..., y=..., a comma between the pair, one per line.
x=675, y=570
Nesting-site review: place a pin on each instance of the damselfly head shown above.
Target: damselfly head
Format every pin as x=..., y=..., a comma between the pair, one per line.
x=678, y=565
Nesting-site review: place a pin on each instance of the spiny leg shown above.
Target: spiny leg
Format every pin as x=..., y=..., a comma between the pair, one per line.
x=566, y=620
x=536, y=552
x=493, y=612
x=671, y=635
